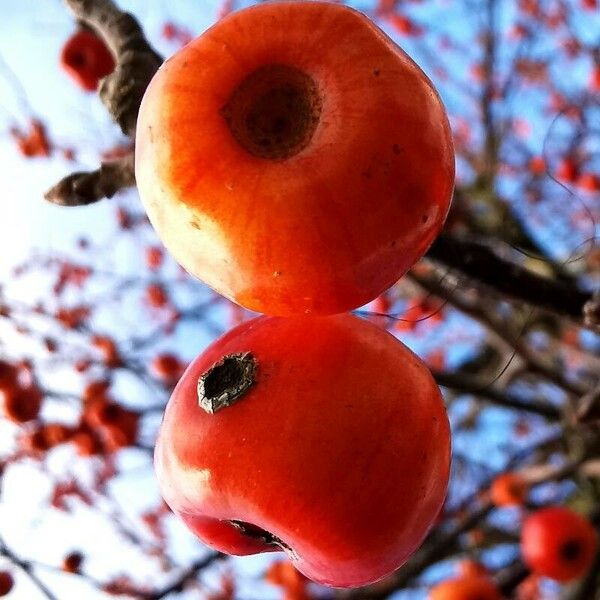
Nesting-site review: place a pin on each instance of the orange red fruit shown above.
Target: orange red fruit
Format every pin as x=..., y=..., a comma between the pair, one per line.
x=86, y=59
x=294, y=158
x=509, y=489
x=7, y=583
x=470, y=587
x=21, y=404
x=558, y=543
x=72, y=562
x=337, y=449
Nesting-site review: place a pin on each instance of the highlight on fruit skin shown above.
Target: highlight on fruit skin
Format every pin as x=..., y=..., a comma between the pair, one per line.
x=294, y=158
x=337, y=451
x=558, y=543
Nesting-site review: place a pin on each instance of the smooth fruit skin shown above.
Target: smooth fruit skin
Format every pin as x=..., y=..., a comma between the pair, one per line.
x=330, y=228
x=474, y=587
x=340, y=449
x=86, y=59
x=546, y=537
x=7, y=583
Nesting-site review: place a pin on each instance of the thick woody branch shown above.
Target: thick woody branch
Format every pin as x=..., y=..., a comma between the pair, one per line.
x=499, y=330
x=137, y=62
x=482, y=264
x=467, y=384
x=511, y=577
x=86, y=187
x=121, y=92
x=591, y=312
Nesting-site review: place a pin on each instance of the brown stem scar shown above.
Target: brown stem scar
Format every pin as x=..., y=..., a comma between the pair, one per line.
x=274, y=112
x=226, y=381
x=570, y=550
x=256, y=533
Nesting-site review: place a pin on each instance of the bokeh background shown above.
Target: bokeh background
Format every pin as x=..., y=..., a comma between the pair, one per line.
x=92, y=309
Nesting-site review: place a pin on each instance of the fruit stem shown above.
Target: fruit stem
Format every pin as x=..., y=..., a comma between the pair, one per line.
x=256, y=533
x=226, y=381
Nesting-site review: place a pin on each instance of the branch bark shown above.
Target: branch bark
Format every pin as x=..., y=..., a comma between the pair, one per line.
x=121, y=92
x=86, y=187
x=471, y=385
x=137, y=62
x=496, y=327
x=191, y=572
x=483, y=265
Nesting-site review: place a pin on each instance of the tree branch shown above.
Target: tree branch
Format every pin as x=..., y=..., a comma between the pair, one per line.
x=187, y=575
x=470, y=385
x=26, y=567
x=121, y=92
x=137, y=62
x=511, y=577
x=510, y=339
x=86, y=187
x=483, y=265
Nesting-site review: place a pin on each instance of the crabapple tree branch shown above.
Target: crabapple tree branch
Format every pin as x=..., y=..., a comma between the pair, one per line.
x=137, y=62
x=481, y=264
x=509, y=339
x=121, y=92
x=27, y=568
x=86, y=187
x=189, y=573
x=466, y=384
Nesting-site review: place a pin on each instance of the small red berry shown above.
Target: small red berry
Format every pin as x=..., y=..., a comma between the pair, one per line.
x=558, y=543
x=21, y=404
x=72, y=562
x=567, y=170
x=590, y=182
x=471, y=587
x=537, y=165
x=86, y=59
x=509, y=489
x=154, y=257
x=6, y=583
x=167, y=367
x=156, y=296
x=108, y=349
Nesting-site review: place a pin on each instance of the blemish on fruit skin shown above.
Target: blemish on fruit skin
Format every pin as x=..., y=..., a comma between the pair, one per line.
x=424, y=218
x=376, y=72
x=276, y=273
x=396, y=149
